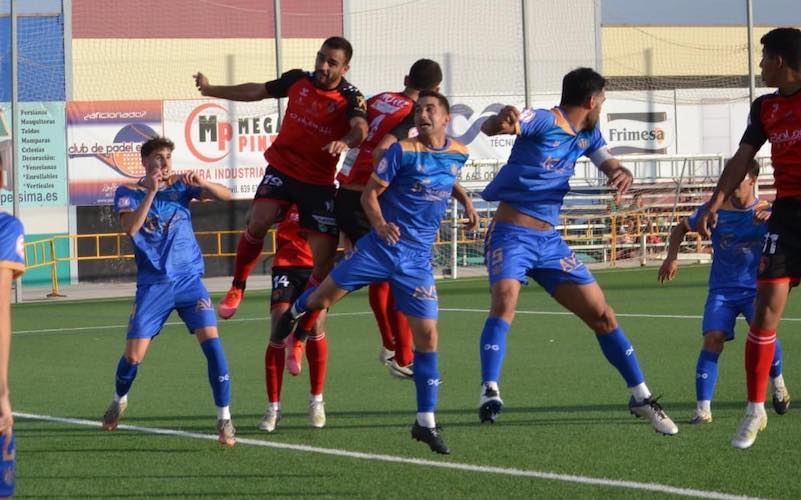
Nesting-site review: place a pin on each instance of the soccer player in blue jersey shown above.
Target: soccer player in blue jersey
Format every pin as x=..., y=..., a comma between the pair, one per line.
x=12, y=265
x=154, y=212
x=737, y=244
x=404, y=200
x=522, y=242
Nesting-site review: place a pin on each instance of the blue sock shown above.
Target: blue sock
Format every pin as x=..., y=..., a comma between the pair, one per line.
x=126, y=373
x=776, y=366
x=300, y=306
x=493, y=348
x=218, y=371
x=706, y=375
x=619, y=351
x=426, y=380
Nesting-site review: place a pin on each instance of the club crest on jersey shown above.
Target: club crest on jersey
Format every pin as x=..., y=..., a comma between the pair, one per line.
x=527, y=115
x=381, y=167
x=454, y=169
x=583, y=143
x=174, y=196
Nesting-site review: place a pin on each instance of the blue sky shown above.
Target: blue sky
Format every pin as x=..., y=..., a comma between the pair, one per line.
x=700, y=12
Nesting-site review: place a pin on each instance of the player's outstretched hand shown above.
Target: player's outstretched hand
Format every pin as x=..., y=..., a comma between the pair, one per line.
x=335, y=148
x=201, y=82
x=473, y=219
x=668, y=270
x=620, y=179
x=762, y=213
x=389, y=232
x=191, y=178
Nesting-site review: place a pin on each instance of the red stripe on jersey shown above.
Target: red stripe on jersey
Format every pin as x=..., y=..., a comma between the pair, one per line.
x=384, y=112
x=291, y=248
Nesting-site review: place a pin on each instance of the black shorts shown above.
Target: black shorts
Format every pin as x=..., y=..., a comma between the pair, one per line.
x=781, y=252
x=315, y=203
x=288, y=284
x=350, y=215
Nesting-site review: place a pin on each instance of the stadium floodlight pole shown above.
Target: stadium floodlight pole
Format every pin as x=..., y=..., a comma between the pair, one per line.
x=278, y=65
x=526, y=79
x=750, y=17
x=15, y=132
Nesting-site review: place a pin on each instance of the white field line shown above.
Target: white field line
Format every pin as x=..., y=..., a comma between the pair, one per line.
x=550, y=476
x=363, y=313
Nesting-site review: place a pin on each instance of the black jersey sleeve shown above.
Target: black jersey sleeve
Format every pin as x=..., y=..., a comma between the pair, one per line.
x=280, y=87
x=357, y=106
x=755, y=131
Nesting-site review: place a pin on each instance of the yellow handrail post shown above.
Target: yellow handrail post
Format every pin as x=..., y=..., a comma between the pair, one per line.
x=54, y=270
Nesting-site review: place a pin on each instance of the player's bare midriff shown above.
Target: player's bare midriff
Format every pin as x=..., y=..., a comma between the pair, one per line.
x=507, y=214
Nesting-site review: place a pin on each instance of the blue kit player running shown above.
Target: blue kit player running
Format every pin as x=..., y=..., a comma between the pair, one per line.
x=12, y=265
x=155, y=213
x=737, y=244
x=414, y=180
x=522, y=242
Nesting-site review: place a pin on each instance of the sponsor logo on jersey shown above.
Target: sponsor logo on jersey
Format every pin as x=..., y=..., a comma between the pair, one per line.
x=204, y=304
x=425, y=292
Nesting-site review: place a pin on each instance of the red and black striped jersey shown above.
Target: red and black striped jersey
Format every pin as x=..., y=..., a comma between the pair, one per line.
x=388, y=112
x=314, y=117
x=777, y=118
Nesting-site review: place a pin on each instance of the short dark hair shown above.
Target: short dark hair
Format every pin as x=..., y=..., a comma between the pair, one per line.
x=425, y=74
x=784, y=42
x=154, y=144
x=580, y=84
x=441, y=98
x=337, y=42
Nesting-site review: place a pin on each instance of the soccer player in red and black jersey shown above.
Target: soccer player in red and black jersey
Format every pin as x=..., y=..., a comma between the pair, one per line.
x=291, y=270
x=389, y=115
x=775, y=118
x=325, y=117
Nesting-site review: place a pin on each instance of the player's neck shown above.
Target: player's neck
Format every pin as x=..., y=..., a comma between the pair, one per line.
x=736, y=203
x=411, y=93
x=433, y=142
x=330, y=86
x=576, y=116
x=790, y=87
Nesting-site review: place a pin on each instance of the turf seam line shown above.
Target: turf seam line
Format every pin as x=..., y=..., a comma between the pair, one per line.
x=551, y=476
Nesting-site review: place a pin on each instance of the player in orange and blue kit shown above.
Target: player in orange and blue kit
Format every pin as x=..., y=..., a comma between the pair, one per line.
x=291, y=270
x=414, y=180
x=522, y=241
x=12, y=265
x=154, y=212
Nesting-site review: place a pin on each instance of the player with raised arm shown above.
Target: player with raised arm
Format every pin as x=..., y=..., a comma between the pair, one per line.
x=737, y=245
x=325, y=116
x=774, y=118
x=291, y=269
x=12, y=265
x=404, y=200
x=154, y=212
x=390, y=118
x=522, y=242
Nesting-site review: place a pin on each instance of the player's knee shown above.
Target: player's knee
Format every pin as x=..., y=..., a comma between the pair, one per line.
x=504, y=299
x=714, y=341
x=133, y=358
x=605, y=320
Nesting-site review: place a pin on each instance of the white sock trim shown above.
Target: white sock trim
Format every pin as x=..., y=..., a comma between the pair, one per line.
x=640, y=392
x=426, y=419
x=223, y=413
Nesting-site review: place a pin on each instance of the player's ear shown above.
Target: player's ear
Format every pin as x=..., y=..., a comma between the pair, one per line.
x=406, y=81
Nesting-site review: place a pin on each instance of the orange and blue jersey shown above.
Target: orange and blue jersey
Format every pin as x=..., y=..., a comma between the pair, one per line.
x=12, y=244
x=165, y=246
x=419, y=181
x=536, y=177
x=737, y=242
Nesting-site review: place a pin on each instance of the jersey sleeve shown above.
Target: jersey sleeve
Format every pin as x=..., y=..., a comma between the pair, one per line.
x=12, y=247
x=692, y=221
x=388, y=167
x=357, y=105
x=280, y=87
x=402, y=130
x=124, y=200
x=194, y=192
x=755, y=132
x=533, y=122
x=597, y=142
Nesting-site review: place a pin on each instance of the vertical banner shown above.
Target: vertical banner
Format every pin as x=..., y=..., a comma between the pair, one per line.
x=42, y=168
x=103, y=143
x=222, y=141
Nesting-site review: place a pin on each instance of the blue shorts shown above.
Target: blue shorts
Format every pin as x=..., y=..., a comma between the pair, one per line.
x=155, y=301
x=407, y=268
x=517, y=252
x=722, y=309
x=8, y=464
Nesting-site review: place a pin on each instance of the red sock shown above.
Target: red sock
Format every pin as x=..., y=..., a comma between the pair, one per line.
x=310, y=318
x=759, y=350
x=317, y=355
x=380, y=304
x=401, y=333
x=274, y=371
x=248, y=252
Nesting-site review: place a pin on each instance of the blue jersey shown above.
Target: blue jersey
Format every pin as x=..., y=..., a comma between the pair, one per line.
x=165, y=246
x=737, y=245
x=419, y=182
x=12, y=244
x=536, y=177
